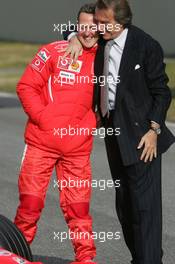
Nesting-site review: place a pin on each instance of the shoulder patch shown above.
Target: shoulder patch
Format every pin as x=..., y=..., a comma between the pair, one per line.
x=44, y=54
x=38, y=64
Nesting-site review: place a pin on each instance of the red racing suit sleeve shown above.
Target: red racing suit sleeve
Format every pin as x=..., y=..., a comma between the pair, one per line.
x=32, y=82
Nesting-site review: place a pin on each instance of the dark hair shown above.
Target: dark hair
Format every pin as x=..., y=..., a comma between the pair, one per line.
x=121, y=8
x=87, y=8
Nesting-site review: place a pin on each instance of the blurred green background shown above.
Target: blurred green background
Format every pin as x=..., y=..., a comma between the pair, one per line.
x=15, y=56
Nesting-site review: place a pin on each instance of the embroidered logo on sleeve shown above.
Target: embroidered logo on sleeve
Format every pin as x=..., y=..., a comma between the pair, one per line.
x=44, y=55
x=38, y=64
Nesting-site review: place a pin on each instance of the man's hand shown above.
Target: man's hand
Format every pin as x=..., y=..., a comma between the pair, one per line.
x=75, y=49
x=149, y=141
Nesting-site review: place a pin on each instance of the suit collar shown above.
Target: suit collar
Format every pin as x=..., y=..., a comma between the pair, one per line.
x=121, y=39
x=128, y=56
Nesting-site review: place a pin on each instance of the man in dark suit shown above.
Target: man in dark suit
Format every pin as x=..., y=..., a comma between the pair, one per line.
x=137, y=105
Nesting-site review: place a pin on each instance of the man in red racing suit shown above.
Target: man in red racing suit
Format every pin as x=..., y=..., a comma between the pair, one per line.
x=58, y=134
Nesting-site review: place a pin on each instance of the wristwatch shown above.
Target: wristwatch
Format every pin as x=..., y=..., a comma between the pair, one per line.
x=157, y=130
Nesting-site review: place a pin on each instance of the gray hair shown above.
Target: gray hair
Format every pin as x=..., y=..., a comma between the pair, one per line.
x=121, y=8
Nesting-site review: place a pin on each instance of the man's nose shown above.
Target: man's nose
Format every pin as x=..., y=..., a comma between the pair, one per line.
x=87, y=33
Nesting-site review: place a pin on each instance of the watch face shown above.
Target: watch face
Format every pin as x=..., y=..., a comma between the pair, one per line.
x=158, y=131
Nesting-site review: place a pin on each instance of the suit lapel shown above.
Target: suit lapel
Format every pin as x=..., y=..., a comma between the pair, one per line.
x=127, y=60
x=128, y=57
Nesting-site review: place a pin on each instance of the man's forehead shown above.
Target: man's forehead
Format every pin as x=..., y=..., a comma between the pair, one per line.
x=88, y=18
x=86, y=15
x=104, y=13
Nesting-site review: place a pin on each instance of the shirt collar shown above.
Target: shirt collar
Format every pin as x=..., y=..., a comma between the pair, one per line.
x=121, y=39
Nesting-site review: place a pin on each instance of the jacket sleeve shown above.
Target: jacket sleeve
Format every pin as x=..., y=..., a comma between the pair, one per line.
x=157, y=81
x=32, y=82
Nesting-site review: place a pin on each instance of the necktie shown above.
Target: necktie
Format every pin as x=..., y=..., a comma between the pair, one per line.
x=104, y=102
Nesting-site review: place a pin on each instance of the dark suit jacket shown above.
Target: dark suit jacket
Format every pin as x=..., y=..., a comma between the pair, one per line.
x=142, y=95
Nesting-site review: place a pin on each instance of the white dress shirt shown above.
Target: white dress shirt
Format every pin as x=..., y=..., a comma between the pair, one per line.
x=114, y=66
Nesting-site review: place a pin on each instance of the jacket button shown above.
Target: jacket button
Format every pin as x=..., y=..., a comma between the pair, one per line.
x=136, y=124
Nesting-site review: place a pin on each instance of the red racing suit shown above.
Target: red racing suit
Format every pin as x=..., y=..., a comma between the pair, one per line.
x=57, y=96
x=54, y=96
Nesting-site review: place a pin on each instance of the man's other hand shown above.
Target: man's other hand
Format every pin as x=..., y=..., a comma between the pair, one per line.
x=74, y=49
x=149, y=141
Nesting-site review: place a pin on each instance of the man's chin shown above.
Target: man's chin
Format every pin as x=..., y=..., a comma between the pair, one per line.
x=106, y=36
x=88, y=46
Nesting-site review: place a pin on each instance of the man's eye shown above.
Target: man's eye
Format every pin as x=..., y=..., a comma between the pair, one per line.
x=104, y=23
